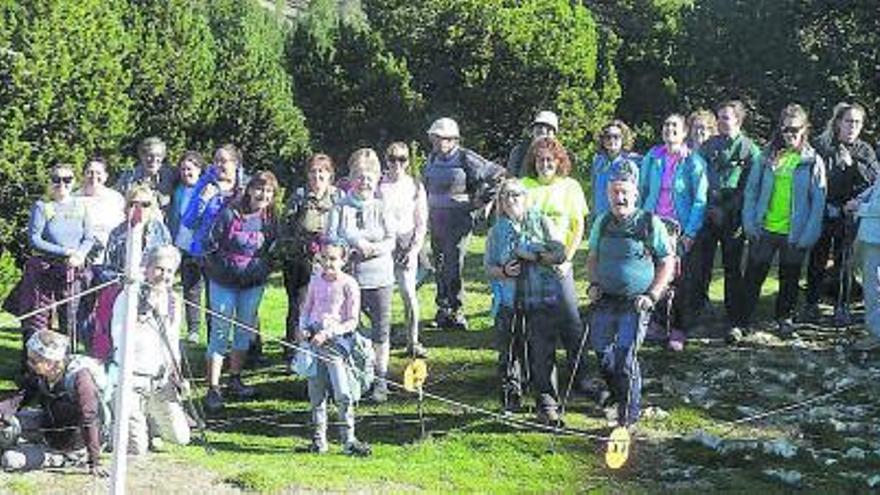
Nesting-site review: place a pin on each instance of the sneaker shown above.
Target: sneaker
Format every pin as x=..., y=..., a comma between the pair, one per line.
x=842, y=317
x=441, y=319
x=811, y=313
x=785, y=328
x=213, y=400
x=357, y=448
x=417, y=350
x=380, y=391
x=239, y=389
x=677, y=338
x=735, y=335
x=193, y=337
x=458, y=322
x=867, y=343
x=157, y=444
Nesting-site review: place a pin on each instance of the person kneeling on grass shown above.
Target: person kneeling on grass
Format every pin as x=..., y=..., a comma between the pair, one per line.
x=524, y=254
x=72, y=392
x=629, y=267
x=326, y=334
x=157, y=381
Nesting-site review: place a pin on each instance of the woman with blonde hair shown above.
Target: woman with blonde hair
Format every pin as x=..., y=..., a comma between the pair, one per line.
x=362, y=220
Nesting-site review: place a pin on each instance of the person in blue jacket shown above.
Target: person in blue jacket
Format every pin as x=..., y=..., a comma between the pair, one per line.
x=615, y=148
x=783, y=208
x=674, y=184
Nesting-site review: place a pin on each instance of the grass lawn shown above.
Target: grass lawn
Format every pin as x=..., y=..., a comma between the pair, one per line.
x=254, y=444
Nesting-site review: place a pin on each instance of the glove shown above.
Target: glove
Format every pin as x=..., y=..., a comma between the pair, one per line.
x=643, y=303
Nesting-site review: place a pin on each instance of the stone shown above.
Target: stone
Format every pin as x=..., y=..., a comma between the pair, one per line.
x=855, y=453
x=705, y=439
x=654, y=412
x=789, y=477
x=873, y=481
x=781, y=448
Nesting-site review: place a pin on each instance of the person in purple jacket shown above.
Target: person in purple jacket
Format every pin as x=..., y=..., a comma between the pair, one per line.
x=237, y=265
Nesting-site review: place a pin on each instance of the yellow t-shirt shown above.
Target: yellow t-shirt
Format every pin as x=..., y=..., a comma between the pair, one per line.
x=564, y=203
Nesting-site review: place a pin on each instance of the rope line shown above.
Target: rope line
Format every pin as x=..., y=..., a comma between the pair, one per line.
x=18, y=319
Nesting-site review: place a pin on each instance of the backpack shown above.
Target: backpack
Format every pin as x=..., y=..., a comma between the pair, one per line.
x=360, y=365
x=644, y=230
x=101, y=341
x=102, y=382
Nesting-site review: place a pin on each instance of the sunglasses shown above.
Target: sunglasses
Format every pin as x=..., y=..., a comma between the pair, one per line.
x=513, y=194
x=791, y=129
x=142, y=204
x=398, y=159
x=609, y=137
x=58, y=179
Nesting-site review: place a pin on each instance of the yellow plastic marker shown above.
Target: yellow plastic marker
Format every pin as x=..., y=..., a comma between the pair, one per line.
x=617, y=450
x=414, y=375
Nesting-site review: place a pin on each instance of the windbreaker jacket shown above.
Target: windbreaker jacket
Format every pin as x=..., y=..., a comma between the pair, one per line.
x=690, y=188
x=807, y=196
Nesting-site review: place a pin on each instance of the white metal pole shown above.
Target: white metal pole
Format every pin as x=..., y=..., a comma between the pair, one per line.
x=122, y=409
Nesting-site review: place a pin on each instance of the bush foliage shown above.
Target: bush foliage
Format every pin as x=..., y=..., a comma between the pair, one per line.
x=87, y=76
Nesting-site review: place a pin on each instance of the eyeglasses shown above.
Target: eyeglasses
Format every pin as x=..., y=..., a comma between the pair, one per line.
x=58, y=179
x=791, y=129
x=398, y=159
x=513, y=194
x=142, y=204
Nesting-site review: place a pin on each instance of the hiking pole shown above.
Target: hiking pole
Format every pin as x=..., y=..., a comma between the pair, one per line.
x=573, y=374
x=844, y=278
x=194, y=410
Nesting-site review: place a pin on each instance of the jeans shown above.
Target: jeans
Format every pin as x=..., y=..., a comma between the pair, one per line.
x=544, y=331
x=240, y=304
x=511, y=346
x=616, y=332
x=331, y=375
x=761, y=254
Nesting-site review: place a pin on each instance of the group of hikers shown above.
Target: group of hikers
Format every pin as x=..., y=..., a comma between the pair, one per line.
x=653, y=225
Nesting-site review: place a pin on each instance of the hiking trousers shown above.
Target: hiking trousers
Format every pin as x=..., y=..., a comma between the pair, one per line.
x=732, y=248
x=761, y=254
x=450, y=230
x=155, y=412
x=616, y=332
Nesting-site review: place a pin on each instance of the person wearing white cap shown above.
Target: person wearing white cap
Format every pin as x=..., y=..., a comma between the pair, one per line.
x=545, y=124
x=157, y=379
x=459, y=184
x=72, y=393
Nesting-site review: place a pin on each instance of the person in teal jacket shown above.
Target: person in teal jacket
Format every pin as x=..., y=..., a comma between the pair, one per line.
x=783, y=206
x=674, y=185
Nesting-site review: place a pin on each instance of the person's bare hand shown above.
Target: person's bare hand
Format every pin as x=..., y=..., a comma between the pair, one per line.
x=512, y=268
x=319, y=338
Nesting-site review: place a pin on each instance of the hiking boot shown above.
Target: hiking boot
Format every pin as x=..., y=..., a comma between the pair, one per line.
x=785, y=328
x=458, y=322
x=547, y=416
x=157, y=444
x=319, y=445
x=357, y=448
x=735, y=335
x=677, y=338
x=441, y=319
x=842, y=317
x=237, y=388
x=417, y=350
x=380, y=391
x=511, y=401
x=867, y=343
x=811, y=313
x=213, y=400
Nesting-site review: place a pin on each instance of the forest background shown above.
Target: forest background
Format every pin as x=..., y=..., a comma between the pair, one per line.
x=80, y=77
